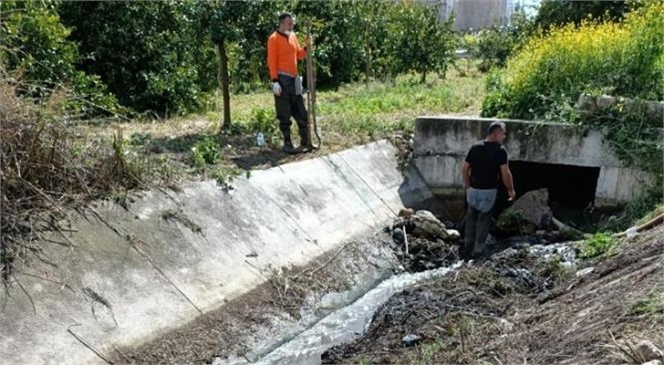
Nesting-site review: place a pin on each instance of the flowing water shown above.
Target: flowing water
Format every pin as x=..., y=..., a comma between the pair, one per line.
x=352, y=321
x=343, y=325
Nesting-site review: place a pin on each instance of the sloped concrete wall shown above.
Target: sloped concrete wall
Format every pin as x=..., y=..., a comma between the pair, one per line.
x=157, y=274
x=441, y=144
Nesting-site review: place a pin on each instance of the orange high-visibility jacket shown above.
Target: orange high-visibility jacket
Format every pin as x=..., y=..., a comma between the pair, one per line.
x=282, y=54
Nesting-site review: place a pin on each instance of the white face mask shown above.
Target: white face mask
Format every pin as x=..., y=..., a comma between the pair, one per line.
x=287, y=32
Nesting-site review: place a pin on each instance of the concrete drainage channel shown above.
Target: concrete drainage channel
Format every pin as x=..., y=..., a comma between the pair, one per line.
x=157, y=275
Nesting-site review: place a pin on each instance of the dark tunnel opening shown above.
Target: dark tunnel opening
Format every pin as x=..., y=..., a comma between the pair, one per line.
x=571, y=188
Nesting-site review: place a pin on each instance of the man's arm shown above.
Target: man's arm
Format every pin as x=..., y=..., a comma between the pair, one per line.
x=272, y=58
x=506, y=175
x=465, y=172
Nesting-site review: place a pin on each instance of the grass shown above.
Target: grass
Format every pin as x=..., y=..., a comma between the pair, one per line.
x=555, y=270
x=351, y=115
x=659, y=209
x=427, y=353
x=599, y=244
x=651, y=304
x=364, y=361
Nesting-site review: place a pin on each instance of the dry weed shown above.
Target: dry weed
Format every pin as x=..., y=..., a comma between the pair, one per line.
x=44, y=167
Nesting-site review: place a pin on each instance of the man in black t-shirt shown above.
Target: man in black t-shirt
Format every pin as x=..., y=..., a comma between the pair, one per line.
x=485, y=164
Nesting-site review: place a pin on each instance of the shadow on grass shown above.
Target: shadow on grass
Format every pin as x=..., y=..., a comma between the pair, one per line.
x=248, y=156
x=239, y=148
x=180, y=144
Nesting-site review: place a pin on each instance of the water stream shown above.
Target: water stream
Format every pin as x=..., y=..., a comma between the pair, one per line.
x=351, y=322
x=341, y=326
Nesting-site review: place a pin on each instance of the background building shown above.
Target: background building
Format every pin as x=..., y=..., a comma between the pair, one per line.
x=481, y=14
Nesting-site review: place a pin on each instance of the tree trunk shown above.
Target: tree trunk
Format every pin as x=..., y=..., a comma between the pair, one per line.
x=224, y=83
x=424, y=77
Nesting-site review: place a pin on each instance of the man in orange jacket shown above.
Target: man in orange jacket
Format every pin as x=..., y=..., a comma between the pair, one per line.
x=283, y=52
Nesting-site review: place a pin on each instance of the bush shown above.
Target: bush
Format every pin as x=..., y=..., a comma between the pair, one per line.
x=625, y=59
x=598, y=244
x=264, y=121
x=34, y=48
x=205, y=152
x=494, y=46
x=417, y=41
x=151, y=55
x=561, y=12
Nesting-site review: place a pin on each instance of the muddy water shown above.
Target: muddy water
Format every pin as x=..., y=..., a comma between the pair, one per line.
x=352, y=321
x=341, y=326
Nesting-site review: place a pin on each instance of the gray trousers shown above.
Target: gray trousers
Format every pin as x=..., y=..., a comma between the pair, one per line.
x=478, y=221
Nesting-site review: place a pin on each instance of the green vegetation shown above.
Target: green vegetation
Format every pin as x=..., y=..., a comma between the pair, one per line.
x=497, y=44
x=597, y=245
x=262, y=121
x=555, y=270
x=554, y=69
x=364, y=361
x=351, y=114
x=510, y=221
x=562, y=12
x=652, y=304
x=35, y=48
x=428, y=352
x=545, y=79
x=164, y=57
x=205, y=152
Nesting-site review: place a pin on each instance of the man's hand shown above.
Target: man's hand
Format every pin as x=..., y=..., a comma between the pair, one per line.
x=511, y=194
x=276, y=89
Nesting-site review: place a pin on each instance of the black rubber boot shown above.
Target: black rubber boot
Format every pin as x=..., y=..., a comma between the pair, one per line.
x=305, y=142
x=288, y=144
x=288, y=147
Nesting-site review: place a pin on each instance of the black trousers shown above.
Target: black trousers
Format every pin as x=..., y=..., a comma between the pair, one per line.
x=290, y=105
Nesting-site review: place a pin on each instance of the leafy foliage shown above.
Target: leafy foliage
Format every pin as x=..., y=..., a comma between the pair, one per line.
x=556, y=13
x=35, y=49
x=161, y=57
x=262, y=121
x=205, y=152
x=598, y=244
x=494, y=46
x=545, y=80
x=625, y=59
x=418, y=41
x=150, y=54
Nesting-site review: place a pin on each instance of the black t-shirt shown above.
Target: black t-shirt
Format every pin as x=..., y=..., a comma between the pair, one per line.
x=485, y=159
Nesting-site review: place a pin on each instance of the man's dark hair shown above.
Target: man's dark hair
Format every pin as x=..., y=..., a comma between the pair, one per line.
x=284, y=16
x=495, y=126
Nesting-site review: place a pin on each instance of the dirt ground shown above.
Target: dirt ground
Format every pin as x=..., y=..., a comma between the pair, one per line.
x=514, y=309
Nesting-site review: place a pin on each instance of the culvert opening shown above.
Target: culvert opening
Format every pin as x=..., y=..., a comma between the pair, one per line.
x=571, y=190
x=569, y=186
